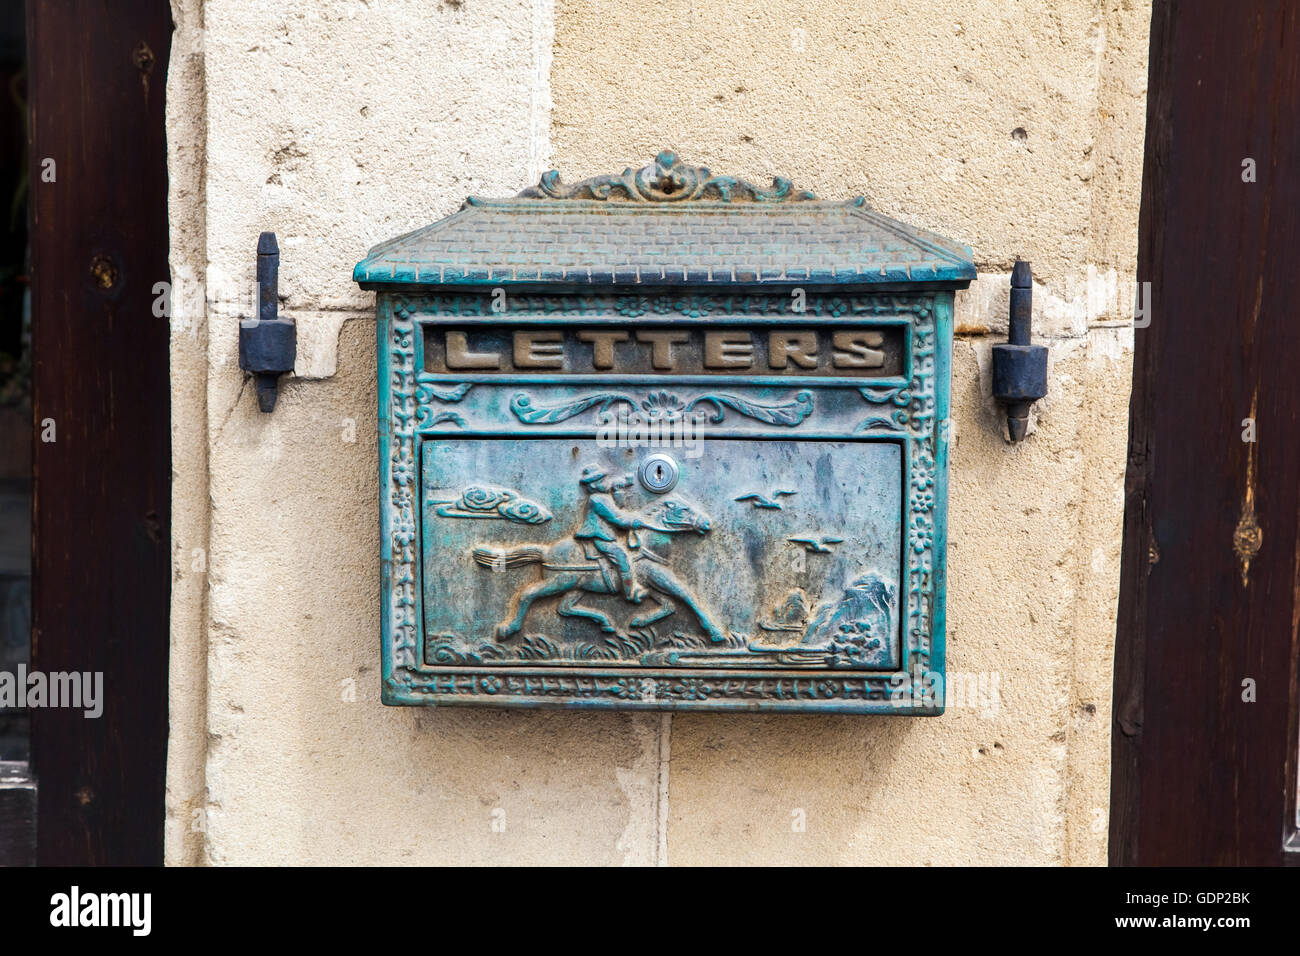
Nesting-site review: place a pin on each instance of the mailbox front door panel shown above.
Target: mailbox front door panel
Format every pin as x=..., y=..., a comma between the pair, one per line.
x=764, y=554
x=797, y=563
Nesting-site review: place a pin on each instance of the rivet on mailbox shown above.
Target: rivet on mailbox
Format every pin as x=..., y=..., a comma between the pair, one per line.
x=665, y=440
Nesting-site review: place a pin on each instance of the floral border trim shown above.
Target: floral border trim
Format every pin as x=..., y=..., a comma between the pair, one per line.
x=400, y=522
x=672, y=304
x=656, y=689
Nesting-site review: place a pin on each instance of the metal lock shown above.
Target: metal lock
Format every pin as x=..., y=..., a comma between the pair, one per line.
x=665, y=440
x=658, y=473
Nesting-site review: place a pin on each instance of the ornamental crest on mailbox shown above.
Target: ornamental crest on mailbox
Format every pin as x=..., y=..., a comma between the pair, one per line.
x=665, y=440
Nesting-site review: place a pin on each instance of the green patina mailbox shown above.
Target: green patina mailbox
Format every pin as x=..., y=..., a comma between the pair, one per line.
x=665, y=440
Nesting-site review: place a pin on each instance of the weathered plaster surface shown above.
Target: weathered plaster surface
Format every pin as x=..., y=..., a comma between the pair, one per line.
x=341, y=123
x=1017, y=128
x=187, y=671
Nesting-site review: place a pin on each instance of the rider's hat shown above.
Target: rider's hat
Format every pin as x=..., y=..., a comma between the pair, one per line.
x=591, y=474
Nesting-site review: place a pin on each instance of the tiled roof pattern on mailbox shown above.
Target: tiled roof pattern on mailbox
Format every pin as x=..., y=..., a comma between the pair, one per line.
x=599, y=243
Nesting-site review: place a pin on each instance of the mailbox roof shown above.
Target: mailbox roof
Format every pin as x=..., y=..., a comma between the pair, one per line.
x=586, y=235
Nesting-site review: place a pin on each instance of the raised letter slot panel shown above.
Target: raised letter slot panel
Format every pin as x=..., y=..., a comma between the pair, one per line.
x=647, y=349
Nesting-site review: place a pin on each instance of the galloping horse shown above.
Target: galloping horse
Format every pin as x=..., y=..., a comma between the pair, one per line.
x=567, y=570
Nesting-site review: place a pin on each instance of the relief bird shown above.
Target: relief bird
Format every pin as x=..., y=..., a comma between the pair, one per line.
x=761, y=502
x=816, y=545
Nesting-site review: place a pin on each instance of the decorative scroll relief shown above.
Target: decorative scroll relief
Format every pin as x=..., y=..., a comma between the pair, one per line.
x=662, y=406
x=425, y=394
x=665, y=180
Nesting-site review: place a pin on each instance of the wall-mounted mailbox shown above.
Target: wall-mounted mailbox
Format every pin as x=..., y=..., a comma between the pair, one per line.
x=665, y=440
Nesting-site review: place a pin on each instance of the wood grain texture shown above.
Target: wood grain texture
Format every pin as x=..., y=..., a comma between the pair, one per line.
x=1210, y=584
x=101, y=524
x=17, y=815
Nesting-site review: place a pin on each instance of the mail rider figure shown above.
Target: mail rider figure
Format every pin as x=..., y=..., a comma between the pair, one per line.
x=602, y=519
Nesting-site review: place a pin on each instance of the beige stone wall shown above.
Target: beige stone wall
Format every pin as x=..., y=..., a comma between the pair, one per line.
x=341, y=123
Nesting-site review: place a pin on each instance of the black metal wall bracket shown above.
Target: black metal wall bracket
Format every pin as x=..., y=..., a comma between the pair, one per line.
x=268, y=344
x=1019, y=368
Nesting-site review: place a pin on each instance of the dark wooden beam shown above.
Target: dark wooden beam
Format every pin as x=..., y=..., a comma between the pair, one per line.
x=1210, y=583
x=17, y=815
x=97, y=75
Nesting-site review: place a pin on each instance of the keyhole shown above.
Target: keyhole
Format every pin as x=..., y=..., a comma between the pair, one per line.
x=659, y=473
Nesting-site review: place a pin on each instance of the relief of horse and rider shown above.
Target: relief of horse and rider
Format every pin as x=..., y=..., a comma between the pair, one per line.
x=611, y=552
x=615, y=570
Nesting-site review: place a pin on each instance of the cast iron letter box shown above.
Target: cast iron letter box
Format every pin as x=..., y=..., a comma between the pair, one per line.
x=665, y=440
